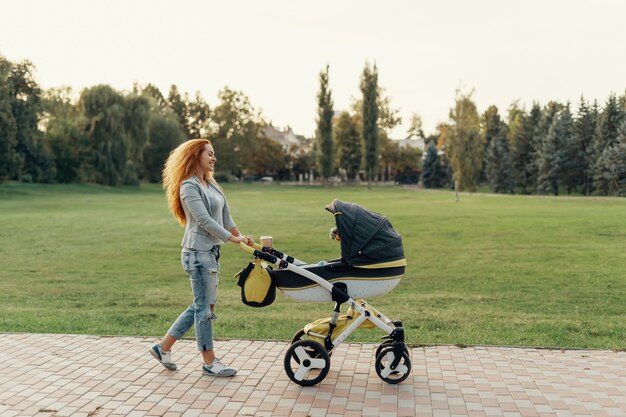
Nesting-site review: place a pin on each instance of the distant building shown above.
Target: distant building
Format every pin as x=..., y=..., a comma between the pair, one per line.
x=285, y=137
x=412, y=143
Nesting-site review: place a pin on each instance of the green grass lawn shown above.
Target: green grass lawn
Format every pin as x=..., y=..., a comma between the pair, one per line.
x=490, y=269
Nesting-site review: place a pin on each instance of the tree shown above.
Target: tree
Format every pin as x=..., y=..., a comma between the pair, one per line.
x=533, y=130
x=271, y=160
x=464, y=147
x=153, y=92
x=164, y=135
x=8, y=127
x=198, y=116
x=520, y=150
x=584, y=131
x=35, y=162
x=498, y=162
x=542, y=144
x=324, y=133
x=408, y=165
x=233, y=131
x=369, y=130
x=610, y=170
x=490, y=127
x=550, y=155
x=389, y=155
x=415, y=128
x=179, y=107
x=432, y=175
x=103, y=109
x=136, y=128
x=606, y=134
x=63, y=133
x=348, y=145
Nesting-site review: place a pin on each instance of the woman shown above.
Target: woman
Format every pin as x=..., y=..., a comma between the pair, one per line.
x=198, y=203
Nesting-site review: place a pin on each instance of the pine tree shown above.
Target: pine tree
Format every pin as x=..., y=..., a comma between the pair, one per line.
x=568, y=171
x=498, y=162
x=432, y=175
x=548, y=114
x=549, y=158
x=578, y=175
x=324, y=126
x=369, y=130
x=519, y=138
x=610, y=169
x=533, y=129
x=490, y=127
x=606, y=135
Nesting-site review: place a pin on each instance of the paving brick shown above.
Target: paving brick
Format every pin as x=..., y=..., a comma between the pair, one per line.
x=73, y=377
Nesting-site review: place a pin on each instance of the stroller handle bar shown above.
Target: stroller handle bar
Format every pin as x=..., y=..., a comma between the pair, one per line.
x=270, y=255
x=262, y=252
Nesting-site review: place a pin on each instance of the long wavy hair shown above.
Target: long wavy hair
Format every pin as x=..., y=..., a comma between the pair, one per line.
x=180, y=165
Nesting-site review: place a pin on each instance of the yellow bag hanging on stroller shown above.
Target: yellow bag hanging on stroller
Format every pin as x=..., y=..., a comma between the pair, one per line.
x=257, y=287
x=318, y=329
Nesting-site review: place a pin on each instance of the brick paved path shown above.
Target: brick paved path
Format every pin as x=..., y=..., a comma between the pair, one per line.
x=68, y=375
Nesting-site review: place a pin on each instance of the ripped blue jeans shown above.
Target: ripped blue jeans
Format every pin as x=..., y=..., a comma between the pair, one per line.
x=203, y=270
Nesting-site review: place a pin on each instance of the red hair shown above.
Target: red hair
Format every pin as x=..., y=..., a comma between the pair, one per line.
x=180, y=165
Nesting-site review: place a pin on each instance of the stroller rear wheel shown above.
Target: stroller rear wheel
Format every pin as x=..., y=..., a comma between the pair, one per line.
x=301, y=335
x=383, y=364
x=307, y=362
x=298, y=336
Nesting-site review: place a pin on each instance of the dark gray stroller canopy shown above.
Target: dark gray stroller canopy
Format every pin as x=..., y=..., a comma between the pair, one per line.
x=367, y=238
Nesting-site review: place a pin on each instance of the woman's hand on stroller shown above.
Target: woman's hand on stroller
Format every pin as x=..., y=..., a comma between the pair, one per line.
x=248, y=240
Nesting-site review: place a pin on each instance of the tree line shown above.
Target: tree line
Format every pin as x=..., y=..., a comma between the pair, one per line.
x=113, y=137
x=546, y=150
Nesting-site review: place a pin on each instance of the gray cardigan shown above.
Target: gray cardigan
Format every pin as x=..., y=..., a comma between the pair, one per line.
x=202, y=232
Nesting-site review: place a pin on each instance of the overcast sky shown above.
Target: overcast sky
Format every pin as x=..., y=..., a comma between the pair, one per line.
x=273, y=51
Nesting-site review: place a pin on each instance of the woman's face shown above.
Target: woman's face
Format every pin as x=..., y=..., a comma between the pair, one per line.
x=207, y=158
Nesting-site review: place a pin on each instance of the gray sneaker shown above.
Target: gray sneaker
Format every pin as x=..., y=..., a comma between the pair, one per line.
x=217, y=368
x=164, y=357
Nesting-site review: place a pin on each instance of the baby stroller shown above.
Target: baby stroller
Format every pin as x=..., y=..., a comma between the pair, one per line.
x=372, y=263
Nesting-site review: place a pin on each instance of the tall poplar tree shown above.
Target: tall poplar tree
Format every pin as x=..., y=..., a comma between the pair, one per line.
x=348, y=145
x=465, y=147
x=369, y=130
x=324, y=131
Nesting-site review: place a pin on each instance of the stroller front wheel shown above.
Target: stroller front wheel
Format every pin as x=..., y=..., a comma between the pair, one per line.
x=307, y=362
x=389, y=374
x=384, y=345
